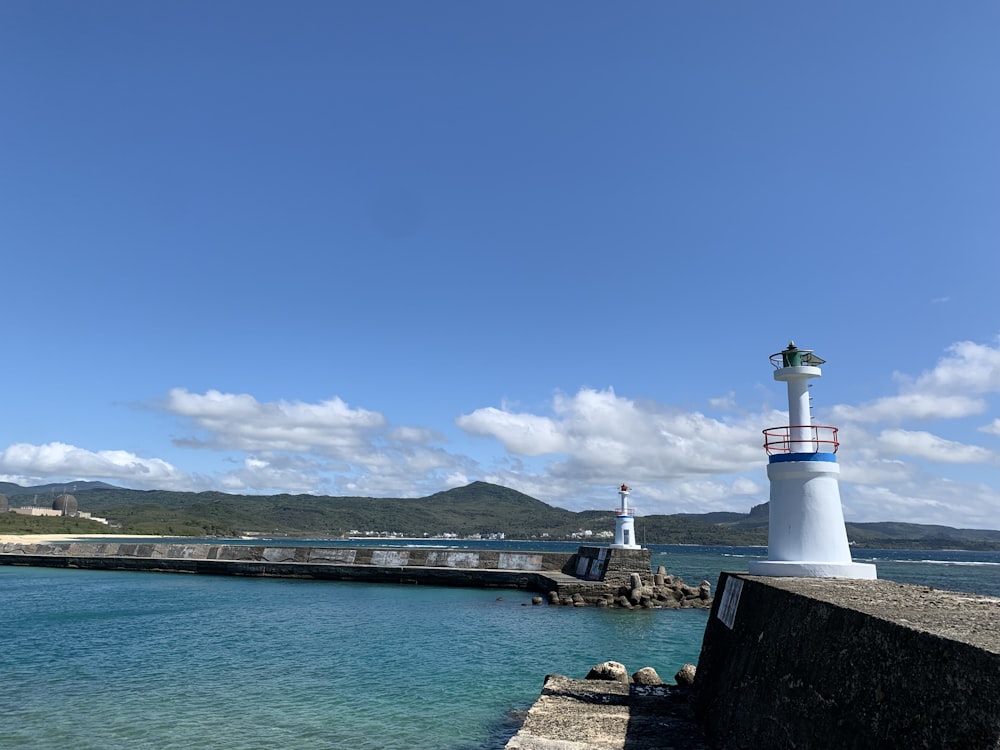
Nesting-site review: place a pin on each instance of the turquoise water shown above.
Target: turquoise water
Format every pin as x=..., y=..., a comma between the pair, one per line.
x=92, y=659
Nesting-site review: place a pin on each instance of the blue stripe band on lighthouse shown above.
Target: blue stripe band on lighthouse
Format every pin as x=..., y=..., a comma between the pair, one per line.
x=783, y=457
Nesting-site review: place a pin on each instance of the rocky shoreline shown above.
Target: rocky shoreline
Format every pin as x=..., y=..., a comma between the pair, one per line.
x=665, y=592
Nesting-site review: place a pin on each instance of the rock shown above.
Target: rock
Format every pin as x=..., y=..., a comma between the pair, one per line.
x=658, y=579
x=624, y=602
x=636, y=596
x=612, y=671
x=577, y=598
x=685, y=677
x=661, y=571
x=634, y=581
x=536, y=600
x=646, y=676
x=705, y=590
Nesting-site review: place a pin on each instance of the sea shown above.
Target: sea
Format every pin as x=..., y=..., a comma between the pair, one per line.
x=100, y=659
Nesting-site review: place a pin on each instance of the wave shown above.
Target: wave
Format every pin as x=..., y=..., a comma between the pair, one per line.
x=942, y=562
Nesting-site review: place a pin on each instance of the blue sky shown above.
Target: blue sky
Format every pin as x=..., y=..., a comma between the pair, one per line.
x=388, y=248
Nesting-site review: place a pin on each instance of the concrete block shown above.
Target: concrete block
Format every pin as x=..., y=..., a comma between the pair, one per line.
x=840, y=663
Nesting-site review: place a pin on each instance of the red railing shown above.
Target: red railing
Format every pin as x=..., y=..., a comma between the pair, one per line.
x=813, y=438
x=630, y=511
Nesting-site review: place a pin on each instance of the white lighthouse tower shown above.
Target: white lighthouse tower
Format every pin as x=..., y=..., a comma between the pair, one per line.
x=624, y=522
x=806, y=536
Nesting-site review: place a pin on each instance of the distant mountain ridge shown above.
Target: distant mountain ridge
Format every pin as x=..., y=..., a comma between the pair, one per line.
x=478, y=508
x=12, y=490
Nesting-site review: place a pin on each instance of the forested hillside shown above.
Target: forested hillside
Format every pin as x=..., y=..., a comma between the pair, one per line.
x=476, y=509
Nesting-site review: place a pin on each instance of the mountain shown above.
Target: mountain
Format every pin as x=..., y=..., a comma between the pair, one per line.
x=11, y=490
x=895, y=535
x=478, y=508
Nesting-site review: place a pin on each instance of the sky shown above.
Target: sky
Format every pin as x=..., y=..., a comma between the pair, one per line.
x=388, y=248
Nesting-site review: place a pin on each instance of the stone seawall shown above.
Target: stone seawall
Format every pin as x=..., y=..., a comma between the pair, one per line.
x=835, y=663
x=793, y=663
x=610, y=577
x=482, y=568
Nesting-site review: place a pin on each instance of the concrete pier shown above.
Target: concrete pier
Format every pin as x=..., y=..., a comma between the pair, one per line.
x=790, y=663
x=840, y=663
x=575, y=714
x=591, y=575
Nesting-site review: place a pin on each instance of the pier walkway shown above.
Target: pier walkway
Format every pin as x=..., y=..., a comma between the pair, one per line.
x=604, y=715
x=544, y=572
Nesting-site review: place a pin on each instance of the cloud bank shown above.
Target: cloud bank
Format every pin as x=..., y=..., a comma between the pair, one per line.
x=917, y=454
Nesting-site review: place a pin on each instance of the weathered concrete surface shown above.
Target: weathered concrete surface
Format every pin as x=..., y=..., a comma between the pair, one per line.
x=834, y=663
x=381, y=565
x=608, y=715
x=546, y=572
x=612, y=566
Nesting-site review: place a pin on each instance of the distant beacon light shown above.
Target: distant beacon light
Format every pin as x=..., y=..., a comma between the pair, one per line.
x=624, y=522
x=806, y=536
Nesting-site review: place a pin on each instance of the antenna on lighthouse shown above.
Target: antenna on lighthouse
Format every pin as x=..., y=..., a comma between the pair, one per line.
x=806, y=533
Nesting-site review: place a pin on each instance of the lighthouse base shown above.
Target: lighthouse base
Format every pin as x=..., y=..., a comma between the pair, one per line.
x=799, y=569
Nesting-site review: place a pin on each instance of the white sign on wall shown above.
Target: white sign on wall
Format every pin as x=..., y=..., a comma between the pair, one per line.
x=730, y=601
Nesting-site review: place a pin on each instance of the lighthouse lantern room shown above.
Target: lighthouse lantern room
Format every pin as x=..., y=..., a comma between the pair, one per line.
x=806, y=536
x=624, y=522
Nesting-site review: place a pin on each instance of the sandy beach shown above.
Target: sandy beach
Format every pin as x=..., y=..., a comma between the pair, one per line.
x=41, y=538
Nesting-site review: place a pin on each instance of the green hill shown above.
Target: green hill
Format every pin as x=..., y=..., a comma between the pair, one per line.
x=478, y=508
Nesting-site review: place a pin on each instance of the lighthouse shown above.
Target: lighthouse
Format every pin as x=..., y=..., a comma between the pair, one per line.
x=624, y=522
x=806, y=533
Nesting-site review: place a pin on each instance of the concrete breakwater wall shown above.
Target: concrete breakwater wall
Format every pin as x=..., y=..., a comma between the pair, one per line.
x=836, y=663
x=407, y=565
x=592, y=576
x=792, y=663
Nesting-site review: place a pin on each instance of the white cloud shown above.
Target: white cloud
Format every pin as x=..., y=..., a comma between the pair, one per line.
x=576, y=450
x=931, y=447
x=603, y=435
x=744, y=486
x=875, y=471
x=952, y=389
x=918, y=406
x=724, y=403
x=924, y=499
x=320, y=448
x=239, y=421
x=40, y=463
x=524, y=434
x=968, y=368
x=993, y=428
